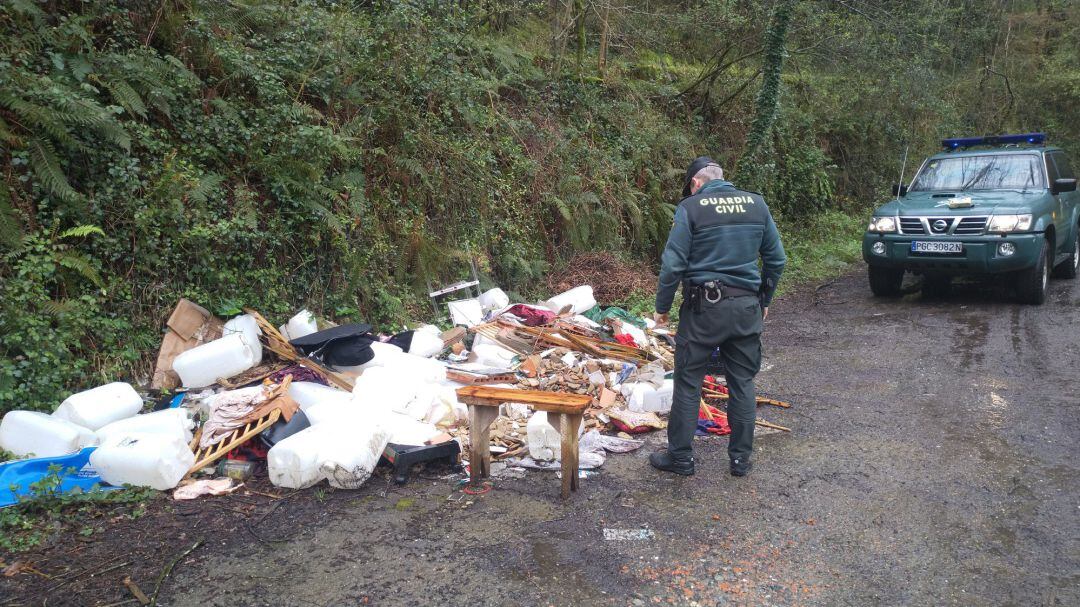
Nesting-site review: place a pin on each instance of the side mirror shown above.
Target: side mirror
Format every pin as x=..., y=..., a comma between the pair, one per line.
x=1062, y=184
x=900, y=189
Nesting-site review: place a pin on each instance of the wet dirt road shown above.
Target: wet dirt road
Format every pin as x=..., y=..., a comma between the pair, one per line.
x=933, y=461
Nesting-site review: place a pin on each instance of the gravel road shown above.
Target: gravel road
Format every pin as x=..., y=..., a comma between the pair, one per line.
x=933, y=460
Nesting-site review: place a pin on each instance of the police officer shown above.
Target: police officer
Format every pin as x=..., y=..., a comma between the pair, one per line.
x=713, y=251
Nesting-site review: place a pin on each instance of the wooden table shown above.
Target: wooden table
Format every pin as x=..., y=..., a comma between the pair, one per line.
x=484, y=405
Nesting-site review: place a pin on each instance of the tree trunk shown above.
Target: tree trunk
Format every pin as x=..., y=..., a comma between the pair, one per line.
x=768, y=99
x=602, y=55
x=579, y=15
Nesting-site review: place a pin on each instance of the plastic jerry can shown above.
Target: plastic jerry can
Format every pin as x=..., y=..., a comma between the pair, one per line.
x=151, y=460
x=99, y=406
x=309, y=393
x=27, y=433
x=203, y=365
x=248, y=327
x=294, y=462
x=350, y=456
x=176, y=422
x=545, y=442
x=579, y=299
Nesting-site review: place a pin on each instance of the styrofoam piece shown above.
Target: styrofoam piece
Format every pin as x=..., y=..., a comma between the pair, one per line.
x=26, y=433
x=543, y=440
x=176, y=422
x=466, y=312
x=493, y=299
x=144, y=459
x=580, y=299
x=222, y=358
x=248, y=327
x=99, y=406
x=308, y=393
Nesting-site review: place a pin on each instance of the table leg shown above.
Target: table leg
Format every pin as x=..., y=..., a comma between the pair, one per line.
x=568, y=426
x=480, y=418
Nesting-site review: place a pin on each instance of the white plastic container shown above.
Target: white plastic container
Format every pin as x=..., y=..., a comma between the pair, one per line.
x=544, y=440
x=404, y=430
x=99, y=406
x=222, y=358
x=26, y=433
x=348, y=458
x=426, y=343
x=301, y=325
x=307, y=394
x=294, y=462
x=384, y=354
x=151, y=460
x=494, y=299
x=659, y=401
x=579, y=299
x=248, y=328
x=172, y=422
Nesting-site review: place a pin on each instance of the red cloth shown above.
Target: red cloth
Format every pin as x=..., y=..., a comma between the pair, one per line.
x=531, y=316
x=627, y=340
x=717, y=425
x=636, y=430
x=715, y=385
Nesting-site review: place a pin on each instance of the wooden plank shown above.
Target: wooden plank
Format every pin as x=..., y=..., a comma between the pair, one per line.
x=557, y=402
x=569, y=470
x=480, y=419
x=209, y=455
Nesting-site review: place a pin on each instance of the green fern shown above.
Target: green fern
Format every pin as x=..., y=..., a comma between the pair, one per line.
x=10, y=228
x=202, y=190
x=80, y=264
x=81, y=231
x=47, y=168
x=126, y=96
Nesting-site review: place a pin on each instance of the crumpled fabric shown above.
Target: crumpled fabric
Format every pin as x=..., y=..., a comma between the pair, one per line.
x=531, y=316
x=227, y=412
x=627, y=340
x=596, y=315
x=299, y=373
x=194, y=489
x=717, y=425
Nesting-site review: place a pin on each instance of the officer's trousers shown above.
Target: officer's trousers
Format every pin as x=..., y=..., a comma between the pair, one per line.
x=734, y=325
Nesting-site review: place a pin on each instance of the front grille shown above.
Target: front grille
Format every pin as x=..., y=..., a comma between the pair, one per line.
x=912, y=225
x=970, y=226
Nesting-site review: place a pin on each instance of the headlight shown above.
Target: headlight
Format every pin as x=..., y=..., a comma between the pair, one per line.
x=882, y=224
x=1009, y=223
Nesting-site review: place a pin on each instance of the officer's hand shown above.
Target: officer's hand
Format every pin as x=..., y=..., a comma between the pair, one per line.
x=765, y=313
x=661, y=319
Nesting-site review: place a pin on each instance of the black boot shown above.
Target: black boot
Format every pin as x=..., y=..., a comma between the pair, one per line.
x=662, y=460
x=741, y=466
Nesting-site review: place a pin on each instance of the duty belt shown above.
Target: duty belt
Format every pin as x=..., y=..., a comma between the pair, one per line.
x=712, y=292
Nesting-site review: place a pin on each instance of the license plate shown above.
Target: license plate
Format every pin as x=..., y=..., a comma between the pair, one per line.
x=939, y=248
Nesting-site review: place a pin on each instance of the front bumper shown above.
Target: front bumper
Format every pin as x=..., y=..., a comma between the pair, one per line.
x=980, y=255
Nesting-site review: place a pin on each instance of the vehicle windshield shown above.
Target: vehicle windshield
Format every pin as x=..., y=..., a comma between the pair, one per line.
x=989, y=172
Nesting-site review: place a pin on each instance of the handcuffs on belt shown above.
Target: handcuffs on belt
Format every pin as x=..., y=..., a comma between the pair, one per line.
x=712, y=292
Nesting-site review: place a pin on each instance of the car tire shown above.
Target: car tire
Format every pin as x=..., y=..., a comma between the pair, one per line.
x=1071, y=266
x=935, y=287
x=1032, y=283
x=885, y=282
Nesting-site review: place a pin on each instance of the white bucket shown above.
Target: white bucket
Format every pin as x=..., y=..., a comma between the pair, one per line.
x=220, y=359
x=99, y=406
x=151, y=460
x=301, y=325
x=27, y=433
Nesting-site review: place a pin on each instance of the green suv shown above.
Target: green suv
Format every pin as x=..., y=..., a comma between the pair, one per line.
x=1004, y=205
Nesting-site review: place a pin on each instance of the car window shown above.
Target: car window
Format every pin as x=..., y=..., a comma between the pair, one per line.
x=985, y=172
x=1064, y=169
x=1051, y=168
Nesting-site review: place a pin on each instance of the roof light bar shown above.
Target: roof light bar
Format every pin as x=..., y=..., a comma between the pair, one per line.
x=967, y=142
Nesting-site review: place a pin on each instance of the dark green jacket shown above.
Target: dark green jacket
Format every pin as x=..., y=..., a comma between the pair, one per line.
x=719, y=233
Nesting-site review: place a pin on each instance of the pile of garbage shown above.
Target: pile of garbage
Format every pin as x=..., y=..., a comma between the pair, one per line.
x=317, y=402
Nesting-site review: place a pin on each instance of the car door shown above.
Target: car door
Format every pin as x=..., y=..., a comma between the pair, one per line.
x=1060, y=227
x=1069, y=201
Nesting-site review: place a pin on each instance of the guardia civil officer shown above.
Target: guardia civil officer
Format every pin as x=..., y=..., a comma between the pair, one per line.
x=712, y=250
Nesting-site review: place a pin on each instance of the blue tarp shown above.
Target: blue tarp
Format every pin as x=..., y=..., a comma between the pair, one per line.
x=16, y=476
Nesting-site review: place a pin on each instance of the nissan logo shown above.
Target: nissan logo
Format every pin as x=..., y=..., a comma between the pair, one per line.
x=940, y=225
